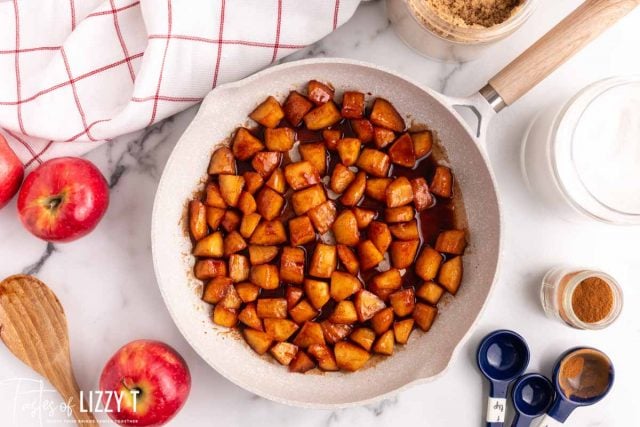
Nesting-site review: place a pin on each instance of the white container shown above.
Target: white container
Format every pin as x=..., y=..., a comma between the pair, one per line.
x=430, y=35
x=583, y=157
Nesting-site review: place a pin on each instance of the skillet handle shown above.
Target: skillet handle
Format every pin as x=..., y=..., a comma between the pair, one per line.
x=574, y=32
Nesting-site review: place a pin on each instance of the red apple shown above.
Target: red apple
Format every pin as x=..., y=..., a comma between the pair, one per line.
x=153, y=380
x=63, y=199
x=11, y=172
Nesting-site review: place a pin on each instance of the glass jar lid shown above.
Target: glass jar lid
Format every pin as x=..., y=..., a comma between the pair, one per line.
x=596, y=150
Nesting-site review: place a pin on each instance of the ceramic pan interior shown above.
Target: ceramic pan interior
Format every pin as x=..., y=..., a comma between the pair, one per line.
x=427, y=355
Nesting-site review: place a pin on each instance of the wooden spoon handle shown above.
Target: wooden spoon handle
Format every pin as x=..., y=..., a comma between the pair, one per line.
x=67, y=386
x=586, y=23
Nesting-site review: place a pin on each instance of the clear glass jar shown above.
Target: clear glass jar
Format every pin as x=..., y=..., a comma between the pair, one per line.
x=422, y=29
x=557, y=291
x=582, y=157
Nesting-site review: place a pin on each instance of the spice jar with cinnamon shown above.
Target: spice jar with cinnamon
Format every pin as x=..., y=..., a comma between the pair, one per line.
x=581, y=298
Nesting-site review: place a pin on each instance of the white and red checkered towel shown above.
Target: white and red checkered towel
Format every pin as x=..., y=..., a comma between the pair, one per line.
x=74, y=73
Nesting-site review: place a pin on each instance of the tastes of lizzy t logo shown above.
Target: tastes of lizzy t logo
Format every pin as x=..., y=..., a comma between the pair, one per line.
x=26, y=402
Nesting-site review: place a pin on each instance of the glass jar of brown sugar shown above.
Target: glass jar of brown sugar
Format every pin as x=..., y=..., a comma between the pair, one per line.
x=581, y=298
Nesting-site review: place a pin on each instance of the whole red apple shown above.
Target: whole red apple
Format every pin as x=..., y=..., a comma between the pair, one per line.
x=63, y=199
x=11, y=172
x=153, y=380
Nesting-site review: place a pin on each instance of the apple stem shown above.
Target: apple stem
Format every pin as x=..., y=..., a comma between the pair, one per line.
x=54, y=202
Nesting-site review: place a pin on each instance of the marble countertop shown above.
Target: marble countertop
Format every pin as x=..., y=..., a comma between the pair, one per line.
x=107, y=285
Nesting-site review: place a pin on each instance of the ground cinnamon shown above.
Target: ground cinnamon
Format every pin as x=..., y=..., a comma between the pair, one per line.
x=584, y=374
x=592, y=300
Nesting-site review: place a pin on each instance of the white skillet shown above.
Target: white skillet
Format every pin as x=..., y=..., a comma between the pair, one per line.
x=426, y=356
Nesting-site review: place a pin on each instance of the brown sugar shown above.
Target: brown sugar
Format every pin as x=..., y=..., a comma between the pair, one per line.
x=584, y=374
x=475, y=13
x=592, y=300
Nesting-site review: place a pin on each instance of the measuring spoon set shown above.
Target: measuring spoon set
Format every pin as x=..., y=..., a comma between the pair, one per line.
x=503, y=357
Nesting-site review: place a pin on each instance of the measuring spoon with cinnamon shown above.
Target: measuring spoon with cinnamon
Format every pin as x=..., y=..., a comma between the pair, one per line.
x=34, y=328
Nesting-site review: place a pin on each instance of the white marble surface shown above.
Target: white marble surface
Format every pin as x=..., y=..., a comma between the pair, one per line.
x=107, y=286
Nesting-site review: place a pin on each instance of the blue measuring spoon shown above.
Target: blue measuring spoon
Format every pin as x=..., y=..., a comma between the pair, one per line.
x=594, y=362
x=531, y=395
x=502, y=357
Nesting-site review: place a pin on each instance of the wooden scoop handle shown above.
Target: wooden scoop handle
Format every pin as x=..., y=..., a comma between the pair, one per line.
x=574, y=32
x=68, y=388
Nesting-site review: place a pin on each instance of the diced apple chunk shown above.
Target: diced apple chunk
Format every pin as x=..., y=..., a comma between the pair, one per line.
x=311, y=333
x=245, y=145
x=209, y=268
x=230, y=220
x=369, y=255
x=301, y=363
x=352, y=105
x=214, y=217
x=400, y=214
x=428, y=263
x=227, y=317
x=303, y=312
x=343, y=285
x=269, y=233
x=349, y=356
x=363, y=130
x=213, y=197
x=363, y=217
x=422, y=198
x=269, y=203
x=341, y=177
x=323, y=261
x=363, y=337
x=231, y=187
x=210, y=246
x=233, y=243
x=317, y=292
x=348, y=259
x=197, y=219
x=344, y=313
x=367, y=305
x=249, y=316
x=301, y=175
x=422, y=143
x=295, y=107
x=403, y=253
x=248, y=224
x=238, y=268
x=384, y=114
x=265, y=162
x=376, y=188
x=424, y=315
x=316, y=154
x=272, y=308
x=334, y=332
x=450, y=275
x=345, y=229
x=259, y=341
x=405, y=230
x=322, y=117
x=382, y=321
x=301, y=230
x=280, y=329
x=374, y=162
x=355, y=191
x=431, y=292
x=252, y=181
x=382, y=137
x=293, y=295
x=231, y=300
x=451, y=242
x=402, y=152
x=279, y=139
x=284, y=352
x=403, y=302
x=216, y=289
x=246, y=203
x=442, y=182
x=307, y=199
x=331, y=138
x=323, y=356
x=380, y=235
x=323, y=216
x=384, y=344
x=390, y=279
x=247, y=291
x=399, y=192
x=265, y=275
x=402, y=330
x=222, y=161
x=319, y=93
x=269, y=113
x=349, y=150
x=262, y=254
x=276, y=181
x=292, y=265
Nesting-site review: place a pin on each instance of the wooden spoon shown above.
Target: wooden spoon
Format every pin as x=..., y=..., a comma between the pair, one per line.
x=34, y=328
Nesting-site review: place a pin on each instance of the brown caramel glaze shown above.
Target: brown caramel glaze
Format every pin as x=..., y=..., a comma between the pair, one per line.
x=444, y=214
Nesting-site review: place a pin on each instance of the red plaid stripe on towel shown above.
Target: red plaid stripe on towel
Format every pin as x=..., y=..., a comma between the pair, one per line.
x=74, y=73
